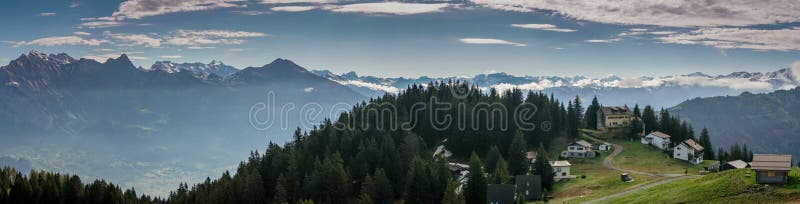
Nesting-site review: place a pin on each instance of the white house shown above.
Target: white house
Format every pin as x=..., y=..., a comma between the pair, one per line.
x=531, y=156
x=604, y=147
x=657, y=139
x=689, y=151
x=561, y=169
x=579, y=149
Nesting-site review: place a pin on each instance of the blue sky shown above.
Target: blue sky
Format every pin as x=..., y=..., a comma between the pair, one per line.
x=432, y=38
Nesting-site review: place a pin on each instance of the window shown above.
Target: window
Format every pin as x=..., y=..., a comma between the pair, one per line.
x=770, y=173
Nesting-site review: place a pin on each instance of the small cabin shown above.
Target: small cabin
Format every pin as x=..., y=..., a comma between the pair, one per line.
x=657, y=139
x=579, y=149
x=561, y=169
x=771, y=168
x=604, y=147
x=689, y=151
x=736, y=164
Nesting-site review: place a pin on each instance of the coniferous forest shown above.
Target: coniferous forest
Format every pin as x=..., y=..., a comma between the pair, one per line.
x=381, y=151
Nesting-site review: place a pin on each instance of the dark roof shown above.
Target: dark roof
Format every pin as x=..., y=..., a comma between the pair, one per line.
x=529, y=186
x=692, y=144
x=781, y=162
x=614, y=110
x=500, y=193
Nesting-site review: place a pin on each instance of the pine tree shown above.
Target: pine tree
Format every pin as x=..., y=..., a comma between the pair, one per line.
x=517, y=162
x=451, y=196
x=492, y=158
x=382, y=191
x=649, y=119
x=418, y=187
x=367, y=189
x=500, y=175
x=281, y=196
x=591, y=114
x=475, y=191
x=705, y=141
x=542, y=167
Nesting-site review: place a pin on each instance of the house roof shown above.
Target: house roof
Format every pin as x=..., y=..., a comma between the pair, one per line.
x=692, y=144
x=583, y=143
x=739, y=164
x=560, y=163
x=612, y=110
x=771, y=162
x=660, y=134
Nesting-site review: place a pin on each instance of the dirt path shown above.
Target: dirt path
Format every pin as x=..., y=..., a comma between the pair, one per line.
x=608, y=163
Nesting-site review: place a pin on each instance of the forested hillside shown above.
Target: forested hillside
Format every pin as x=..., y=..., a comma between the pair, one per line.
x=767, y=123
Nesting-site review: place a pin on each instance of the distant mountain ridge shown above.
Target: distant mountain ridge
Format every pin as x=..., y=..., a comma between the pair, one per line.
x=766, y=122
x=664, y=91
x=215, y=67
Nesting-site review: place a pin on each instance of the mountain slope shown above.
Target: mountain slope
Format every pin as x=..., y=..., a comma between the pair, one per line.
x=214, y=67
x=135, y=126
x=767, y=123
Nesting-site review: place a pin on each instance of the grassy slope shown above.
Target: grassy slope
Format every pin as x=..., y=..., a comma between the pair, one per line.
x=725, y=187
x=599, y=181
x=646, y=158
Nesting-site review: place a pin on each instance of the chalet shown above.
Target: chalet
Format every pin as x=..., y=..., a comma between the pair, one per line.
x=613, y=117
x=689, y=151
x=657, y=139
x=604, y=147
x=579, y=149
x=500, y=194
x=771, y=168
x=529, y=187
x=737, y=164
x=561, y=169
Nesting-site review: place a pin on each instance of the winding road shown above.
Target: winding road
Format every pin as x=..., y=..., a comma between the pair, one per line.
x=608, y=163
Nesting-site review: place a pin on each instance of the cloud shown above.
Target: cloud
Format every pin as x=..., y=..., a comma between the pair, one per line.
x=293, y=8
x=134, y=39
x=171, y=56
x=308, y=89
x=104, y=57
x=136, y=9
x=795, y=70
x=298, y=1
x=236, y=50
x=61, y=40
x=603, y=40
x=674, y=13
x=547, y=27
x=251, y=13
x=739, y=38
x=198, y=39
x=392, y=8
x=81, y=33
x=372, y=86
x=74, y=5
x=490, y=41
x=46, y=14
x=101, y=24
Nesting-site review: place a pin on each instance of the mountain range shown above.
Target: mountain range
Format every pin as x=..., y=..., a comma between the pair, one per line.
x=663, y=91
x=143, y=127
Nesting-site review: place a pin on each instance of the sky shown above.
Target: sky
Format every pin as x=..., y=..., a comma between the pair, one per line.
x=420, y=38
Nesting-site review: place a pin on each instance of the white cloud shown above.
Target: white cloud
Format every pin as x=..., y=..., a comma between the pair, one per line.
x=297, y=1
x=81, y=33
x=171, y=56
x=104, y=57
x=392, y=8
x=743, y=38
x=136, y=9
x=663, y=32
x=292, y=8
x=100, y=24
x=308, y=89
x=236, y=50
x=74, y=5
x=46, y=14
x=490, y=41
x=547, y=27
x=134, y=39
x=377, y=87
x=795, y=70
x=251, y=13
x=61, y=40
x=602, y=40
x=672, y=13
x=196, y=39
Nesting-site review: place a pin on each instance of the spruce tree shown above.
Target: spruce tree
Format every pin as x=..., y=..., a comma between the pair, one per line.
x=451, y=196
x=542, y=167
x=492, y=158
x=500, y=175
x=382, y=191
x=475, y=191
x=705, y=141
x=517, y=162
